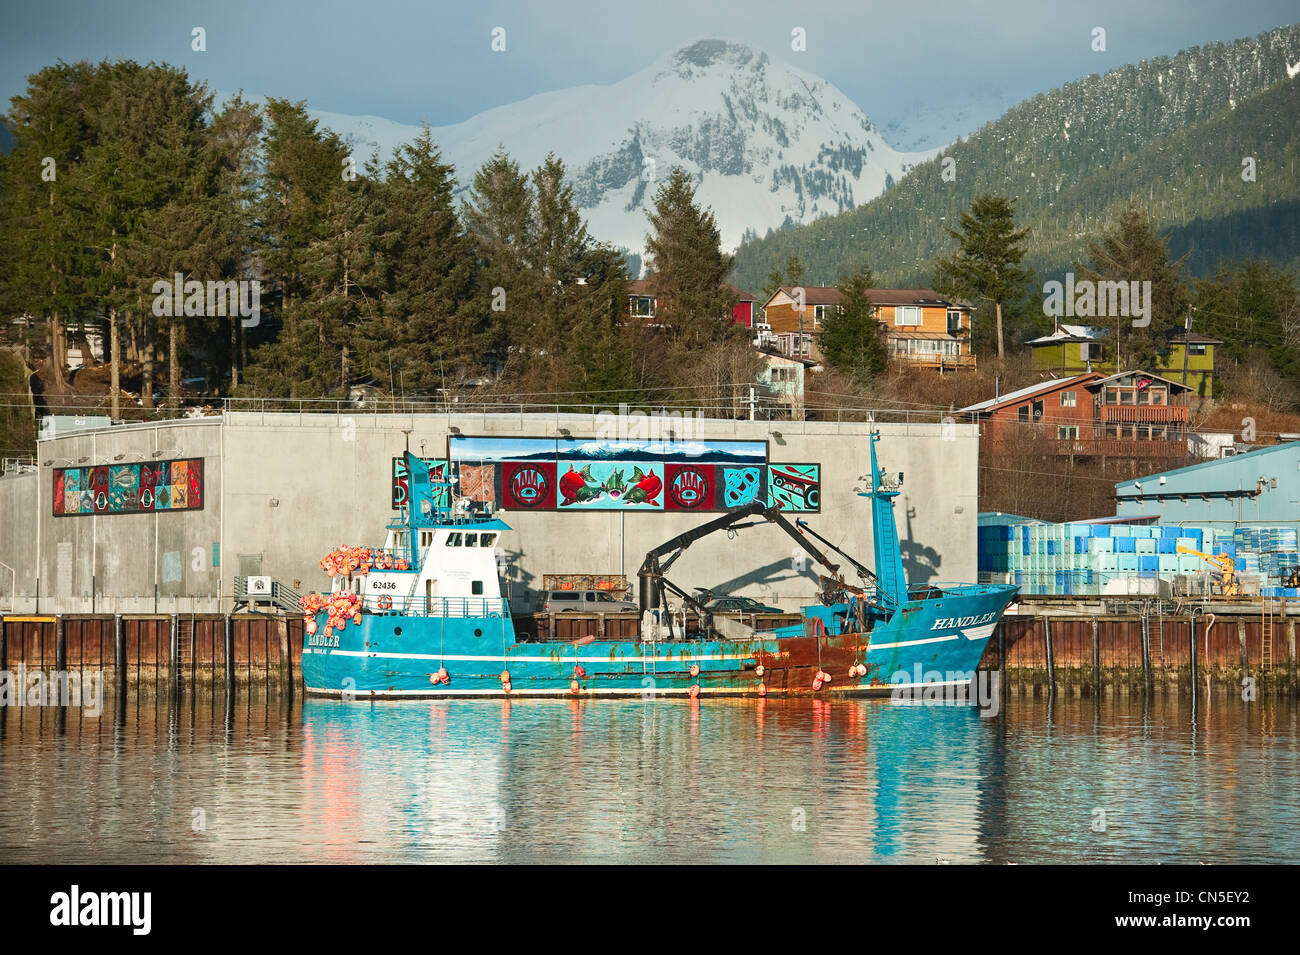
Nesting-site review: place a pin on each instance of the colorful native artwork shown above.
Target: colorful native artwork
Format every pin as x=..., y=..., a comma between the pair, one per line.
x=795, y=487
x=437, y=470
x=573, y=474
x=143, y=488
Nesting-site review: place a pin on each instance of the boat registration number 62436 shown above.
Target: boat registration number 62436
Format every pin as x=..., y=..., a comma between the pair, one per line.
x=385, y=585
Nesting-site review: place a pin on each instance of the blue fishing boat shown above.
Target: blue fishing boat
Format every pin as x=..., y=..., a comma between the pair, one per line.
x=424, y=616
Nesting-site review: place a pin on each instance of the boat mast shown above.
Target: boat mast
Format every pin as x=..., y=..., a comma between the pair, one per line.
x=891, y=582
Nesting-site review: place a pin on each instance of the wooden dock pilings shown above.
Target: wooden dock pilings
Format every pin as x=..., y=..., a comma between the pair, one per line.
x=1132, y=654
x=1043, y=654
x=181, y=650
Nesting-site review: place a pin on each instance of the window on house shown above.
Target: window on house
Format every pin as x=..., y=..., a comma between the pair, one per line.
x=1069, y=399
x=907, y=315
x=1092, y=352
x=954, y=321
x=819, y=312
x=641, y=306
x=1067, y=432
x=476, y=588
x=1023, y=413
x=1197, y=350
x=1038, y=410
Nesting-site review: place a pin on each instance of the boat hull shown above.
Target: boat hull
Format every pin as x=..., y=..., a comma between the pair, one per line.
x=927, y=642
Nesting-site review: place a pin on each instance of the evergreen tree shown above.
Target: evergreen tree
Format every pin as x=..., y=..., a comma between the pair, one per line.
x=234, y=143
x=1249, y=305
x=499, y=214
x=687, y=265
x=310, y=243
x=986, y=264
x=851, y=339
x=137, y=179
x=1131, y=250
x=791, y=277
x=432, y=322
x=44, y=257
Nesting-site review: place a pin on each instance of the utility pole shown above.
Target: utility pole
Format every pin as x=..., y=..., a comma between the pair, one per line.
x=1187, y=344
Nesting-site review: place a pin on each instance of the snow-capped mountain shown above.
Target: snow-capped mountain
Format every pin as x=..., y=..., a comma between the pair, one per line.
x=769, y=144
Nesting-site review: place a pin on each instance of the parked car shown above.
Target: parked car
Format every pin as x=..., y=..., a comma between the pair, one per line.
x=585, y=601
x=738, y=605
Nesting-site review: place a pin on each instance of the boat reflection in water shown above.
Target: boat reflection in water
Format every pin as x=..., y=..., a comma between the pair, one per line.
x=732, y=779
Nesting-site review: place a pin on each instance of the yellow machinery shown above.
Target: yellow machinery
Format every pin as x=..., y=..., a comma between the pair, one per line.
x=1227, y=567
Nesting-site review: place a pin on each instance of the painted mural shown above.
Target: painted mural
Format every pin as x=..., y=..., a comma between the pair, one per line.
x=140, y=488
x=437, y=468
x=795, y=487
x=569, y=474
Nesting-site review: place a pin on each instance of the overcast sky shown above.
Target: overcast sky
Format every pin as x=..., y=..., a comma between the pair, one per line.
x=416, y=60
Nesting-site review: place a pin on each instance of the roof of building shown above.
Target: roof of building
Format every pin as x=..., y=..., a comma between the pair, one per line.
x=1146, y=374
x=1069, y=333
x=1178, y=335
x=1230, y=461
x=1021, y=394
x=999, y=518
x=742, y=295
x=770, y=355
x=831, y=295
x=923, y=336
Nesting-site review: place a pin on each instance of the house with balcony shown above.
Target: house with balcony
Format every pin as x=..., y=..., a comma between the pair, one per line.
x=1132, y=414
x=1078, y=349
x=921, y=327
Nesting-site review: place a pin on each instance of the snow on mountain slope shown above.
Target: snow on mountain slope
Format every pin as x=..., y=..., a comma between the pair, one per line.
x=935, y=125
x=769, y=144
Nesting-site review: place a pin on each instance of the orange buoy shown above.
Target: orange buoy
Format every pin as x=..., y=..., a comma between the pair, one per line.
x=695, y=669
x=759, y=671
x=574, y=687
x=356, y=619
x=817, y=685
x=762, y=689
x=443, y=675
x=695, y=690
x=505, y=676
x=385, y=602
x=505, y=687
x=862, y=669
x=579, y=671
x=311, y=626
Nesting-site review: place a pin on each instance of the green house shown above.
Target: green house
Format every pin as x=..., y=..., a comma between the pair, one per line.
x=1078, y=349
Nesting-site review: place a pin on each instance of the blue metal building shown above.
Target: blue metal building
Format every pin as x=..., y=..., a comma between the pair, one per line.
x=1256, y=488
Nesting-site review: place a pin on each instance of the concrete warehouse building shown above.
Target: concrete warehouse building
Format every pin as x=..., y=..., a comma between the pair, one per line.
x=165, y=516
x=1259, y=487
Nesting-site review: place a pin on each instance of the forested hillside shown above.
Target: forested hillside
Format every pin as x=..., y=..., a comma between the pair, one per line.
x=1172, y=133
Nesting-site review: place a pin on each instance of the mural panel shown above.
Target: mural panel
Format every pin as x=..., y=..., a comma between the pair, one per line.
x=795, y=487
x=573, y=474
x=437, y=470
x=142, y=488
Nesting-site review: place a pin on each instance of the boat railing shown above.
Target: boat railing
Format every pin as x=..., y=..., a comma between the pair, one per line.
x=423, y=606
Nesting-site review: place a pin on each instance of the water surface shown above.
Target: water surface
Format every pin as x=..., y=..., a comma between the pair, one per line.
x=651, y=781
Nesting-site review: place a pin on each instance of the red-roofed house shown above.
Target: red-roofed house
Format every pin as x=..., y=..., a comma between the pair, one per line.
x=1132, y=414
